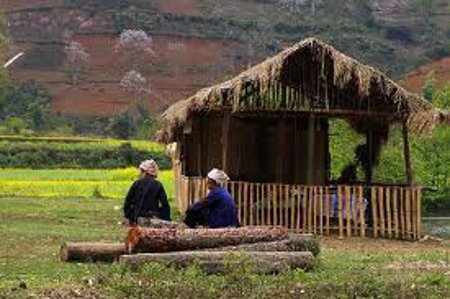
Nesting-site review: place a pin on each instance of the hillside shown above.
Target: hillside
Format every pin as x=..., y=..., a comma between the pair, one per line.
x=198, y=42
x=440, y=69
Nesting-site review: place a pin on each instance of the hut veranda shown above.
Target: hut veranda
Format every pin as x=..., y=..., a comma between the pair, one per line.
x=268, y=128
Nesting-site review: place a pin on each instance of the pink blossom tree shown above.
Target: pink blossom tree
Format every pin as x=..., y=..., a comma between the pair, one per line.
x=135, y=46
x=76, y=60
x=134, y=83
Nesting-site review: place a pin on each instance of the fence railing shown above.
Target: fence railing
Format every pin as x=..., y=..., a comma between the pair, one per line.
x=347, y=210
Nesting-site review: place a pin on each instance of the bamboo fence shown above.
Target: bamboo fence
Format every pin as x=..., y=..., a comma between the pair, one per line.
x=392, y=212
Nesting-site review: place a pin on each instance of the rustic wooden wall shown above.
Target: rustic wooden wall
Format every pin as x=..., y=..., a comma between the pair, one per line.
x=259, y=149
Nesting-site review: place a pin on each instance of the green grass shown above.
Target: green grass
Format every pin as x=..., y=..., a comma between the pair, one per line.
x=84, y=141
x=40, y=209
x=32, y=230
x=64, y=183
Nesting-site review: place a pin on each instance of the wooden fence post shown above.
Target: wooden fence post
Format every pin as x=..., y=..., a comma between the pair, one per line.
x=340, y=213
x=374, y=212
x=362, y=206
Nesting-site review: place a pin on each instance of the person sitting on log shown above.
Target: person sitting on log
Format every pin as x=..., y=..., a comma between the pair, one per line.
x=218, y=209
x=146, y=197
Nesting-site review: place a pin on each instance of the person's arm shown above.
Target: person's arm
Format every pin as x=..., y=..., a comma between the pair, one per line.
x=128, y=207
x=208, y=201
x=165, y=207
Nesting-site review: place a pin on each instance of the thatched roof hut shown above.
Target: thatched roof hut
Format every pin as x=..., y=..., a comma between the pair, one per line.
x=311, y=76
x=268, y=128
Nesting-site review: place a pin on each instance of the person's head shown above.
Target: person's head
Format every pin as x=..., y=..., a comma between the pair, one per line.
x=217, y=178
x=148, y=168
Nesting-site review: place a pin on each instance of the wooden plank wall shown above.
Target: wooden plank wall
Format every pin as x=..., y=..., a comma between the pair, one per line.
x=321, y=210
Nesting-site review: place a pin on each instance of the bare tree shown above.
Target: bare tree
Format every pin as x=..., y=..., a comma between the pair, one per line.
x=136, y=46
x=76, y=60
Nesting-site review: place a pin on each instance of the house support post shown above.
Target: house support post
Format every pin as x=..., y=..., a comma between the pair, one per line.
x=281, y=134
x=311, y=147
x=225, y=140
x=407, y=154
x=368, y=173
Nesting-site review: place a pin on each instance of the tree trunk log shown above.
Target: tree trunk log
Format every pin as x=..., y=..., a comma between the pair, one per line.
x=147, y=240
x=218, y=262
x=159, y=223
x=297, y=243
x=91, y=252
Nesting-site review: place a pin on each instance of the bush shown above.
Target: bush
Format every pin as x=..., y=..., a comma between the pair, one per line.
x=76, y=155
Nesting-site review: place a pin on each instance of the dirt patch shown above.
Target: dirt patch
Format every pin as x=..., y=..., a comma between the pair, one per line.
x=185, y=7
x=375, y=246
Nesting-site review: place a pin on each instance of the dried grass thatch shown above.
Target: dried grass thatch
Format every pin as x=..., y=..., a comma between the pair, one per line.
x=314, y=77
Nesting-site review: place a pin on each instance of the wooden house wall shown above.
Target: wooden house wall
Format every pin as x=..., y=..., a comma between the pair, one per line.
x=262, y=150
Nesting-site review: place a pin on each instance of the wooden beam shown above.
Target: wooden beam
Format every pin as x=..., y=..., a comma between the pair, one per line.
x=328, y=152
x=200, y=157
x=407, y=154
x=310, y=153
x=369, y=143
x=225, y=140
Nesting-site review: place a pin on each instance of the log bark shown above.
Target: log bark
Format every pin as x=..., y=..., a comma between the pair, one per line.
x=147, y=240
x=159, y=223
x=219, y=262
x=299, y=243
x=91, y=252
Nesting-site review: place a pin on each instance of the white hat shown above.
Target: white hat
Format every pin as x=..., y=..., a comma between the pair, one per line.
x=218, y=176
x=150, y=167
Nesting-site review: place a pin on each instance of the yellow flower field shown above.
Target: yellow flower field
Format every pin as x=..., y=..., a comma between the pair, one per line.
x=65, y=183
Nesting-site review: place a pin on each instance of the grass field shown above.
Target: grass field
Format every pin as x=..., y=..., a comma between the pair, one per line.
x=40, y=209
x=31, y=231
x=65, y=183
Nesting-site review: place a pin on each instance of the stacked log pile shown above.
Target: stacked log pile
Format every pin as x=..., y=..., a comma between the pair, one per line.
x=271, y=248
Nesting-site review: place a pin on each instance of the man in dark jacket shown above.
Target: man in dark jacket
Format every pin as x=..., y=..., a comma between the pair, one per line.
x=218, y=209
x=146, y=197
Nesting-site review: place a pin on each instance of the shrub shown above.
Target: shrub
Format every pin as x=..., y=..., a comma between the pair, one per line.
x=90, y=155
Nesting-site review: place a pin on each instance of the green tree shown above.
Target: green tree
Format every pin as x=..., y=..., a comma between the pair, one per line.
x=15, y=125
x=429, y=86
x=442, y=98
x=28, y=101
x=121, y=125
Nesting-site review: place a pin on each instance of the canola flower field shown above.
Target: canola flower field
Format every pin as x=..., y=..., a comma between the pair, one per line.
x=73, y=183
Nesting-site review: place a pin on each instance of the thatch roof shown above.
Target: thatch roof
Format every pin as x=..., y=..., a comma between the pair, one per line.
x=311, y=76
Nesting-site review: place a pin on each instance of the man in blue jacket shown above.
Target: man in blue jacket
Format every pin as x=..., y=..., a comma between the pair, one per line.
x=218, y=209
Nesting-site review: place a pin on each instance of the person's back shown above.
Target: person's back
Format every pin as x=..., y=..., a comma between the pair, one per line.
x=146, y=197
x=222, y=210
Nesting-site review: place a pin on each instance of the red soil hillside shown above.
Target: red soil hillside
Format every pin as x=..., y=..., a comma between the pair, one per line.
x=186, y=7
x=181, y=66
x=414, y=80
x=21, y=4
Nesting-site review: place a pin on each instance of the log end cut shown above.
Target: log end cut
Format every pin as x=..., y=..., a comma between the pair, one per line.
x=91, y=252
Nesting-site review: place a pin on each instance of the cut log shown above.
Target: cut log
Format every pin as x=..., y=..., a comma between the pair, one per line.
x=147, y=240
x=159, y=223
x=91, y=252
x=297, y=243
x=219, y=262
